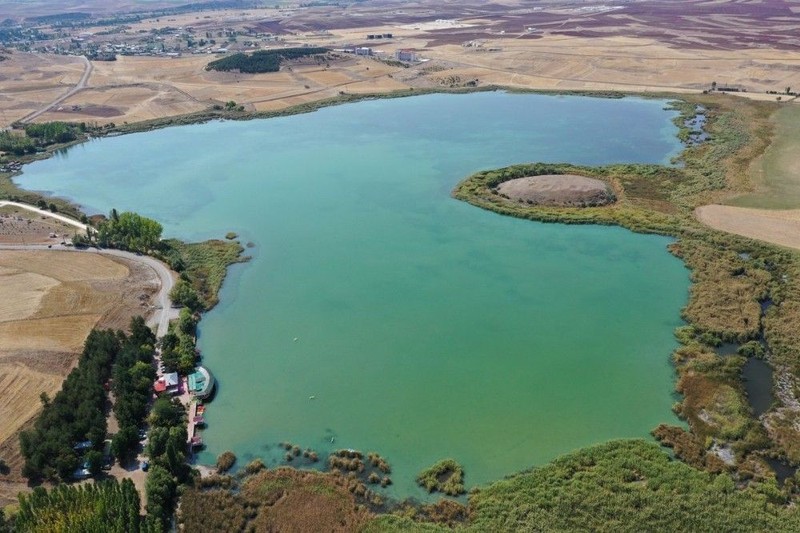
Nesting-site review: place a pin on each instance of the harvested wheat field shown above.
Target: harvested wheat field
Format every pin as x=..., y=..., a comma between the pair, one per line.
x=781, y=227
x=49, y=301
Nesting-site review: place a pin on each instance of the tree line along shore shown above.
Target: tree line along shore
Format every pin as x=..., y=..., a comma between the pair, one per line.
x=721, y=472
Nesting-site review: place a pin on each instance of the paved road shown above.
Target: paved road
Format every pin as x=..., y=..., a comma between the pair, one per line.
x=87, y=71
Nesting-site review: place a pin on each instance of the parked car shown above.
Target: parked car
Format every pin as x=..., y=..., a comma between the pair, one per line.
x=81, y=473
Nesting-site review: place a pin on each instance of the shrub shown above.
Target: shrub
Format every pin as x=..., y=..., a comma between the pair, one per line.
x=225, y=461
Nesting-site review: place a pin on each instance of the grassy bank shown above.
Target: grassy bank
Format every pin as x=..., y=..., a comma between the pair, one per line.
x=775, y=175
x=203, y=264
x=619, y=486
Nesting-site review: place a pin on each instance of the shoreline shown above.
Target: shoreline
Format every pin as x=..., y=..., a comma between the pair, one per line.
x=663, y=224
x=201, y=117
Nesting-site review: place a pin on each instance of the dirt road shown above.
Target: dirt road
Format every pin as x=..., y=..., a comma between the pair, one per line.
x=87, y=71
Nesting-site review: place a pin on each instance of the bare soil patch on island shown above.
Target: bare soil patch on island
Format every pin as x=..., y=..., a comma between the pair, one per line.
x=561, y=190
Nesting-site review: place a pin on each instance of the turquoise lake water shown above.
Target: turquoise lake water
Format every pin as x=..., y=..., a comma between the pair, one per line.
x=426, y=328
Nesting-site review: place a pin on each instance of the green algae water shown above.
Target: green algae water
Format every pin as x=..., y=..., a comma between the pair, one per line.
x=380, y=314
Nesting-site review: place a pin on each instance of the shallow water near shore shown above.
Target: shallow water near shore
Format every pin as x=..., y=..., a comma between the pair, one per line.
x=425, y=327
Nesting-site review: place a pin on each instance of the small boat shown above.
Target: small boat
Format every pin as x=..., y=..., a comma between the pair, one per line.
x=312, y=397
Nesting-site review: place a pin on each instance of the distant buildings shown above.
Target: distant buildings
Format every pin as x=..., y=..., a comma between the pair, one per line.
x=357, y=50
x=406, y=55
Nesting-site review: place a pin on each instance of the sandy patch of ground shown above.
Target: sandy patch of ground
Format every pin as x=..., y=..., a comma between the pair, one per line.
x=558, y=190
x=781, y=227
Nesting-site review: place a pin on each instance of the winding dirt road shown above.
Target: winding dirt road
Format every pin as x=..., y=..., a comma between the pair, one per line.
x=87, y=71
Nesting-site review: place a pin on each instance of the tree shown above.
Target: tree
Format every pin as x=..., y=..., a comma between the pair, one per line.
x=126, y=440
x=95, y=460
x=166, y=413
x=161, y=491
x=129, y=231
x=186, y=322
x=183, y=294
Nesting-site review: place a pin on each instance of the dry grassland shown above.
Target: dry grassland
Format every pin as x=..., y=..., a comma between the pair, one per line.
x=781, y=227
x=31, y=81
x=49, y=301
x=775, y=175
x=608, y=54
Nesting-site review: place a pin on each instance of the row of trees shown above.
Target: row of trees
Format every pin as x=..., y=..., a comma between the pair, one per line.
x=76, y=414
x=107, y=507
x=178, y=351
x=39, y=136
x=166, y=449
x=133, y=384
x=54, y=132
x=16, y=143
x=263, y=60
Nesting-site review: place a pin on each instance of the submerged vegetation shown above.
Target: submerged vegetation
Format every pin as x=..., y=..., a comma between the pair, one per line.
x=446, y=476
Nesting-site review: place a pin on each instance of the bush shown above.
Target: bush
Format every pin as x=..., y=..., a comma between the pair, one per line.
x=225, y=461
x=445, y=476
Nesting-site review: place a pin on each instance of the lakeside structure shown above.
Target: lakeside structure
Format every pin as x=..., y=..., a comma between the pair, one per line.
x=201, y=383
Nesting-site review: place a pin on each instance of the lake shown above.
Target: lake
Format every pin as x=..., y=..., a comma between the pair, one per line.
x=380, y=314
